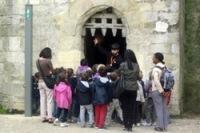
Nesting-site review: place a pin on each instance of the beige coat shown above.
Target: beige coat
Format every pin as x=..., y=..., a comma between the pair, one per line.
x=156, y=75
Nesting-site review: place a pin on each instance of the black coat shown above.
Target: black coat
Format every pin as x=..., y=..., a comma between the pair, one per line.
x=84, y=94
x=111, y=66
x=115, y=65
x=73, y=84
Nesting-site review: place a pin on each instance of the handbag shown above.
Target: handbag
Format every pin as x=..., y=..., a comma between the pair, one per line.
x=49, y=80
x=120, y=87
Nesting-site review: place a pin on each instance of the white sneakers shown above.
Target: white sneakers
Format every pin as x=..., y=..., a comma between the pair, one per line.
x=56, y=122
x=61, y=124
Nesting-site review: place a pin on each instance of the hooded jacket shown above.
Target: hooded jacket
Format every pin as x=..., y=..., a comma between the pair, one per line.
x=102, y=92
x=62, y=95
x=84, y=93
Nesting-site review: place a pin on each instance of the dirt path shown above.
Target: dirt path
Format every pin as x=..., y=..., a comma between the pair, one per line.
x=20, y=124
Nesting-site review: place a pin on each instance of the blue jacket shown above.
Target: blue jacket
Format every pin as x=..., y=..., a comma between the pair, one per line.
x=102, y=92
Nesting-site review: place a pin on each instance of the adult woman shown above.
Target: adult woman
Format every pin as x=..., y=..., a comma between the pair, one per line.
x=45, y=68
x=157, y=93
x=130, y=69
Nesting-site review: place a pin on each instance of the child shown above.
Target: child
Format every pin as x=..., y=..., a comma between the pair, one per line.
x=95, y=73
x=56, y=72
x=35, y=93
x=139, y=101
x=101, y=97
x=149, y=106
x=139, y=104
x=85, y=100
x=114, y=105
x=90, y=75
x=74, y=111
x=63, y=97
x=82, y=68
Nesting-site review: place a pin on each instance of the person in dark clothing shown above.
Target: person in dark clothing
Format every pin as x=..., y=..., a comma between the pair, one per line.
x=114, y=59
x=75, y=109
x=114, y=108
x=35, y=93
x=84, y=93
x=130, y=69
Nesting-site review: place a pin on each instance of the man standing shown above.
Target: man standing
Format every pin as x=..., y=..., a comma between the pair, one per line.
x=114, y=59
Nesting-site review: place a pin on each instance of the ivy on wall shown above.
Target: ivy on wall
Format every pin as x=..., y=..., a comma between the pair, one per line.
x=191, y=93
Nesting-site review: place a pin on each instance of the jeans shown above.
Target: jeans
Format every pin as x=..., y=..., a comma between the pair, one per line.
x=75, y=108
x=89, y=109
x=114, y=105
x=54, y=109
x=150, y=111
x=62, y=114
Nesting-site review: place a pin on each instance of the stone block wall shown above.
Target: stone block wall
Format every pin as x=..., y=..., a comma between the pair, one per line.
x=152, y=26
x=12, y=54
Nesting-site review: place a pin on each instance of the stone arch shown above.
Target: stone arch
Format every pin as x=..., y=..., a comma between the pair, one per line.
x=85, y=16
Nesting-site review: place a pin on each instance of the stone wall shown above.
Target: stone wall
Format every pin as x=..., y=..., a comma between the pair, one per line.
x=12, y=54
x=152, y=26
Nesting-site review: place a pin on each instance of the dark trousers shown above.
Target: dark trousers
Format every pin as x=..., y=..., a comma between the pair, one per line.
x=75, y=108
x=62, y=114
x=150, y=112
x=54, y=109
x=138, y=115
x=128, y=101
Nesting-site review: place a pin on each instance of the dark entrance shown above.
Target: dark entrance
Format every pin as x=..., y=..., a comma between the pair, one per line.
x=92, y=53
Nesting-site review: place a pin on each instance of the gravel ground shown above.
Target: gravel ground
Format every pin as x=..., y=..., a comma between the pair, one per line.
x=21, y=124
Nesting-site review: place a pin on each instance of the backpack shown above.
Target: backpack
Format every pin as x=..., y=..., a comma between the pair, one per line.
x=167, y=79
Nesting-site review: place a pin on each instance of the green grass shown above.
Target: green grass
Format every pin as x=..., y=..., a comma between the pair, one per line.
x=2, y=110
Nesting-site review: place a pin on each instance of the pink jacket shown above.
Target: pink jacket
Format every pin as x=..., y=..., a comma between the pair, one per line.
x=62, y=95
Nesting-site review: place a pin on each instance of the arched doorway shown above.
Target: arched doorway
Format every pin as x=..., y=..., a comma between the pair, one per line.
x=109, y=28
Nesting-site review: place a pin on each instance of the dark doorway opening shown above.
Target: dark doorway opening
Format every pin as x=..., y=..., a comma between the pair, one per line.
x=92, y=53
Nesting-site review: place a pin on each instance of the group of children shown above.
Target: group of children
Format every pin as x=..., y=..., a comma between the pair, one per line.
x=87, y=97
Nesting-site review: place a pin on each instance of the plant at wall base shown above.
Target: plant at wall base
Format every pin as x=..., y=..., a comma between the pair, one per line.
x=2, y=110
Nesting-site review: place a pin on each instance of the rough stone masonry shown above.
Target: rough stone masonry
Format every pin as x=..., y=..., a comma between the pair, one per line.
x=151, y=26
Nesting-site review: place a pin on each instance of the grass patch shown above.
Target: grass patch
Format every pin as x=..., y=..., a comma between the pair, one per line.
x=2, y=110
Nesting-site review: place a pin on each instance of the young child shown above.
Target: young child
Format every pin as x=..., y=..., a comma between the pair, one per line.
x=149, y=106
x=140, y=101
x=102, y=96
x=85, y=100
x=35, y=93
x=94, y=70
x=63, y=97
x=73, y=113
x=56, y=72
x=114, y=105
x=82, y=68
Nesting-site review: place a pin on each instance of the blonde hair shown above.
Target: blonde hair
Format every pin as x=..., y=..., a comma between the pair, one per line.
x=99, y=66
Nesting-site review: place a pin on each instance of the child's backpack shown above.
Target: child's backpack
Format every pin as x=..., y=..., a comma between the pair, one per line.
x=167, y=79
